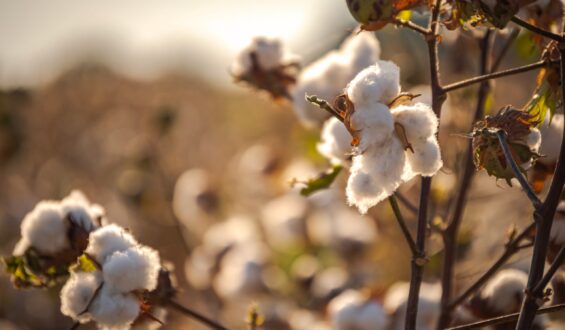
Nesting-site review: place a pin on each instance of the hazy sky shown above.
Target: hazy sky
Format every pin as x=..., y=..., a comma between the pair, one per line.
x=141, y=38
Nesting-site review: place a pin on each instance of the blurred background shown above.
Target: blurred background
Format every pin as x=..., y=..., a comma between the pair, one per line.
x=132, y=103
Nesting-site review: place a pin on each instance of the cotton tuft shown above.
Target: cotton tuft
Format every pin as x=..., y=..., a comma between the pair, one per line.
x=352, y=310
x=551, y=139
x=327, y=76
x=45, y=229
x=114, y=311
x=335, y=142
x=270, y=55
x=379, y=83
x=136, y=268
x=107, y=240
x=77, y=293
x=505, y=290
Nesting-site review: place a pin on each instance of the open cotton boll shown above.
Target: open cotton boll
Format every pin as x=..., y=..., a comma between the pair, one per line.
x=136, y=268
x=419, y=121
x=283, y=220
x=269, y=52
x=21, y=247
x=114, y=311
x=107, y=240
x=77, y=293
x=551, y=139
x=363, y=49
x=80, y=211
x=376, y=174
x=426, y=158
x=233, y=231
x=533, y=140
x=379, y=83
x=374, y=123
x=352, y=310
x=44, y=229
x=505, y=290
x=396, y=301
x=335, y=142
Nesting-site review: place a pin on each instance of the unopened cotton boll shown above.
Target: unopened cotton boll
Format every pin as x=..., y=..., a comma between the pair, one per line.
x=114, y=311
x=504, y=291
x=44, y=229
x=551, y=139
x=352, y=310
x=328, y=76
x=76, y=294
x=136, y=268
x=335, y=142
x=108, y=239
x=379, y=83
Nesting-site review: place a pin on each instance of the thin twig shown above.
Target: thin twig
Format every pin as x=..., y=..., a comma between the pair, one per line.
x=403, y=227
x=507, y=318
x=553, y=268
x=516, y=170
x=451, y=232
x=412, y=26
x=494, y=75
x=324, y=105
x=536, y=30
x=511, y=248
x=197, y=316
x=545, y=215
x=406, y=202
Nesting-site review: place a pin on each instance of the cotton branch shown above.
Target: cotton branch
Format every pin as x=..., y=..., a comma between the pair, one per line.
x=195, y=315
x=516, y=170
x=545, y=215
x=403, y=227
x=537, y=30
x=507, y=318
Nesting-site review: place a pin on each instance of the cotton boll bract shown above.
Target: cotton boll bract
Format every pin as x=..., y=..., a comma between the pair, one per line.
x=335, y=142
x=45, y=229
x=107, y=240
x=379, y=83
x=352, y=310
x=136, y=268
x=77, y=293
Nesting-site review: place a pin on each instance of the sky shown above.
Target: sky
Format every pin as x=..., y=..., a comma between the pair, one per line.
x=142, y=39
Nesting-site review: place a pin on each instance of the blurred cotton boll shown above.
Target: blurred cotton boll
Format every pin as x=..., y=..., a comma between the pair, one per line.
x=231, y=232
x=283, y=220
x=551, y=139
x=329, y=282
x=195, y=199
x=353, y=310
x=303, y=319
x=328, y=76
x=396, y=301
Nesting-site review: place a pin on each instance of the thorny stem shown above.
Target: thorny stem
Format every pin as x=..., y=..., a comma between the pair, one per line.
x=516, y=169
x=537, y=30
x=511, y=248
x=450, y=233
x=438, y=97
x=545, y=215
x=403, y=227
x=507, y=318
x=494, y=75
x=195, y=315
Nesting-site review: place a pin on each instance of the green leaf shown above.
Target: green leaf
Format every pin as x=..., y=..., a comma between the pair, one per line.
x=543, y=101
x=22, y=276
x=323, y=181
x=404, y=15
x=85, y=264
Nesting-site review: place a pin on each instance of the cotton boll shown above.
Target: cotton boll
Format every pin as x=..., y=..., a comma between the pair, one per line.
x=533, y=140
x=45, y=229
x=379, y=83
x=107, y=240
x=114, y=311
x=426, y=158
x=551, y=139
x=335, y=142
x=234, y=231
x=352, y=310
x=194, y=199
x=329, y=281
x=374, y=123
x=77, y=293
x=269, y=54
x=199, y=268
x=21, y=247
x=283, y=220
x=303, y=319
x=419, y=121
x=396, y=301
x=363, y=49
x=136, y=268
x=79, y=210
x=363, y=192
x=504, y=292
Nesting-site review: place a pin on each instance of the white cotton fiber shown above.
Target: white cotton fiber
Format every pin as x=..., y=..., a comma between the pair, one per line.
x=504, y=291
x=335, y=142
x=419, y=120
x=136, y=268
x=45, y=229
x=114, y=311
x=270, y=54
x=551, y=139
x=374, y=124
x=533, y=140
x=396, y=301
x=379, y=83
x=77, y=293
x=107, y=240
x=426, y=158
x=79, y=210
x=352, y=310
x=328, y=76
